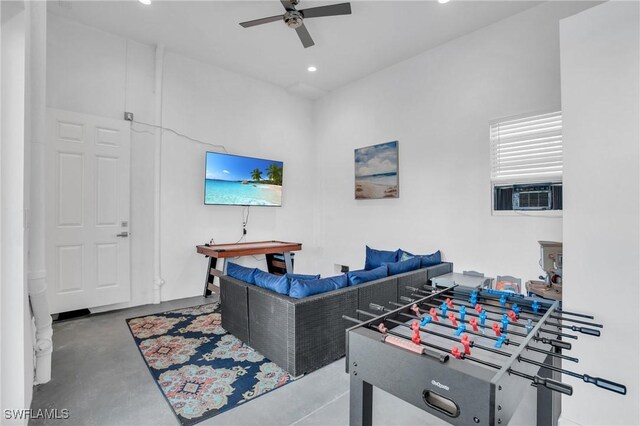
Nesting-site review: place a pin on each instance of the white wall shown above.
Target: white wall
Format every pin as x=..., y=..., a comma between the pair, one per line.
x=249, y=118
x=16, y=368
x=600, y=101
x=438, y=105
x=94, y=72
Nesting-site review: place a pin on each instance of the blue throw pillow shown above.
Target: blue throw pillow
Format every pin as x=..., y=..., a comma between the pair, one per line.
x=241, y=273
x=363, y=276
x=426, y=259
x=304, y=288
x=375, y=258
x=277, y=283
x=404, y=266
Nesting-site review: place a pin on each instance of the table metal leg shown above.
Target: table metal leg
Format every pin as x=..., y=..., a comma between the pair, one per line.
x=287, y=262
x=209, y=277
x=360, y=402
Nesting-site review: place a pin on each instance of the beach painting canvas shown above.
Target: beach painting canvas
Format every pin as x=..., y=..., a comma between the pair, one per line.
x=377, y=171
x=245, y=181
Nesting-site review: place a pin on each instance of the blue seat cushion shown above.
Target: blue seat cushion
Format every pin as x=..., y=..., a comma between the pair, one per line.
x=304, y=288
x=363, y=276
x=375, y=258
x=426, y=259
x=401, y=267
x=241, y=273
x=278, y=283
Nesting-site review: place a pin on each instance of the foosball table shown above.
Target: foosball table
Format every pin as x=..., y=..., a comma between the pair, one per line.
x=465, y=355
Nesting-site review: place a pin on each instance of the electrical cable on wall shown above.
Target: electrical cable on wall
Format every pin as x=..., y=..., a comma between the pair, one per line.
x=167, y=129
x=245, y=221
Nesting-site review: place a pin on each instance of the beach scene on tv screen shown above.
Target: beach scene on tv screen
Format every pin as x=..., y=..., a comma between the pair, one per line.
x=232, y=179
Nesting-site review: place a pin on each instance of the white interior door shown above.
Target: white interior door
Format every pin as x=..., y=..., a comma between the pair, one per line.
x=87, y=210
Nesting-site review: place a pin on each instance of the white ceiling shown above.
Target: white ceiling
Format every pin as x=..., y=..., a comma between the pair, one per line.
x=377, y=34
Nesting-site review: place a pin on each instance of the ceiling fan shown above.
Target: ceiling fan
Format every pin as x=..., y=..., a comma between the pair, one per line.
x=295, y=18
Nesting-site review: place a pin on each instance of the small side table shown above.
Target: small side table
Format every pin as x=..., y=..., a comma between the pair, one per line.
x=278, y=256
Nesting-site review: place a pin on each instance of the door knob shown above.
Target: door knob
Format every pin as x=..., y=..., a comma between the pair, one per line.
x=124, y=234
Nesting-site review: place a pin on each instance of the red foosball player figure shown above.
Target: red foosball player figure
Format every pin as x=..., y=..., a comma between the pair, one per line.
x=466, y=343
x=456, y=352
x=416, y=332
x=474, y=324
x=496, y=328
x=452, y=318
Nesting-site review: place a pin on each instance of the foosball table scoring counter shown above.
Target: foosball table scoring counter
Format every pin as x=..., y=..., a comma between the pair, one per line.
x=465, y=355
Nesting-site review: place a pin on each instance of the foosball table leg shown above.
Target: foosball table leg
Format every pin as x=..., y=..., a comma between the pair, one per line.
x=548, y=410
x=360, y=402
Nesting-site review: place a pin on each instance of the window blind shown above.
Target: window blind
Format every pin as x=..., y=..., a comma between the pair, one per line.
x=527, y=149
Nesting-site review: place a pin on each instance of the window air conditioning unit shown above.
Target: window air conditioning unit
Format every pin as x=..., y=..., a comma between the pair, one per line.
x=532, y=197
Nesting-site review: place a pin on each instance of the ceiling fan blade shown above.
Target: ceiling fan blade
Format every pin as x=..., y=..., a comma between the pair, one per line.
x=331, y=10
x=305, y=37
x=287, y=5
x=261, y=21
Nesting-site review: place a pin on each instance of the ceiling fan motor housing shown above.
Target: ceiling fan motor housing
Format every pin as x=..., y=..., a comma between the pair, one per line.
x=293, y=19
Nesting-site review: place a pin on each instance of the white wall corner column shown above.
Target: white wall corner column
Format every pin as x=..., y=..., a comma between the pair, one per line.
x=600, y=64
x=36, y=266
x=16, y=351
x=158, y=281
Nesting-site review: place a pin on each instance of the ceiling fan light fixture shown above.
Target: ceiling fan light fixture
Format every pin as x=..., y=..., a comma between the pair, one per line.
x=293, y=19
x=311, y=68
x=145, y=2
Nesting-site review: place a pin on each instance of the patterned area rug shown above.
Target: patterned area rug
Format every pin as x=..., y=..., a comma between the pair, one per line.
x=200, y=368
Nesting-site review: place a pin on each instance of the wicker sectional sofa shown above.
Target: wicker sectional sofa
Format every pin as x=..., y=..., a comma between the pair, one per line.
x=302, y=335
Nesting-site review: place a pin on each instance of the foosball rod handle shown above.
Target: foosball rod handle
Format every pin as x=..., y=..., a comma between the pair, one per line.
x=585, y=330
x=606, y=384
x=555, y=343
x=554, y=385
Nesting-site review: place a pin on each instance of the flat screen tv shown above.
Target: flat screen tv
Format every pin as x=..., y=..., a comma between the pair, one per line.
x=242, y=181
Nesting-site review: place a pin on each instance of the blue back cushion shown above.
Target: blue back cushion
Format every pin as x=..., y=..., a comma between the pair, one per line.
x=277, y=283
x=404, y=266
x=363, y=276
x=241, y=273
x=304, y=288
x=426, y=259
x=302, y=277
x=431, y=259
x=375, y=258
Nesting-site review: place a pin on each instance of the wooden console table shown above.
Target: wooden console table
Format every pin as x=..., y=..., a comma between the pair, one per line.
x=269, y=248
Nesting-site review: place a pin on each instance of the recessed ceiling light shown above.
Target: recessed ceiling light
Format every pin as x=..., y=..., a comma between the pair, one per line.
x=439, y=1
x=312, y=69
x=145, y=2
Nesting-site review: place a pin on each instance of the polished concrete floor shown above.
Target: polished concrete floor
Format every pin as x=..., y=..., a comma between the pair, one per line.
x=100, y=377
